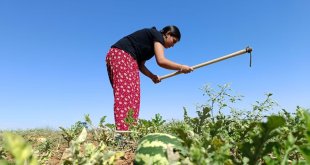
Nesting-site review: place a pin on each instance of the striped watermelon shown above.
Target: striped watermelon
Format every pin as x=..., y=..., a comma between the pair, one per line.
x=152, y=149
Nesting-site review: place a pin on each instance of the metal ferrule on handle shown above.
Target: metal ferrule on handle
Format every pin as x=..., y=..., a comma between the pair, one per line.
x=243, y=51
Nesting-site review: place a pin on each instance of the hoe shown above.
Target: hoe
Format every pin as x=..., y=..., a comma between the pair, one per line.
x=240, y=52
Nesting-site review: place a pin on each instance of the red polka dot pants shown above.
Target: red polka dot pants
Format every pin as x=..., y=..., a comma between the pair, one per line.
x=123, y=72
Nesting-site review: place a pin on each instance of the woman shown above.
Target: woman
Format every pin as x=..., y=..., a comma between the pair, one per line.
x=127, y=56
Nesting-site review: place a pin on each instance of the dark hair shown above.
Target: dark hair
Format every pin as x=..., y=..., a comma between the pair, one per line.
x=173, y=31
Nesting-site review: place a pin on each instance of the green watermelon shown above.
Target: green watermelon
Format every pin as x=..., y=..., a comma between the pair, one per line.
x=152, y=149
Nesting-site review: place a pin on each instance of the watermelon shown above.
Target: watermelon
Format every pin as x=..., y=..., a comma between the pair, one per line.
x=152, y=149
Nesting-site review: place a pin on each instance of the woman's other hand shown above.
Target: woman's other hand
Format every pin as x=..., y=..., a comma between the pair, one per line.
x=186, y=69
x=155, y=79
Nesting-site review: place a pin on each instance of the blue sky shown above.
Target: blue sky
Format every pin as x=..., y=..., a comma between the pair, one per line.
x=53, y=52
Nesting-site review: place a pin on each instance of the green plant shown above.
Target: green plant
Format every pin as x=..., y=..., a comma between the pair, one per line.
x=262, y=142
x=240, y=136
x=81, y=152
x=130, y=120
x=20, y=150
x=44, y=150
x=103, y=132
x=219, y=134
x=72, y=132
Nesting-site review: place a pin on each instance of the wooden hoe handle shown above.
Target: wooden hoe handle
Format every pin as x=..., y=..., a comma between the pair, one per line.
x=243, y=51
